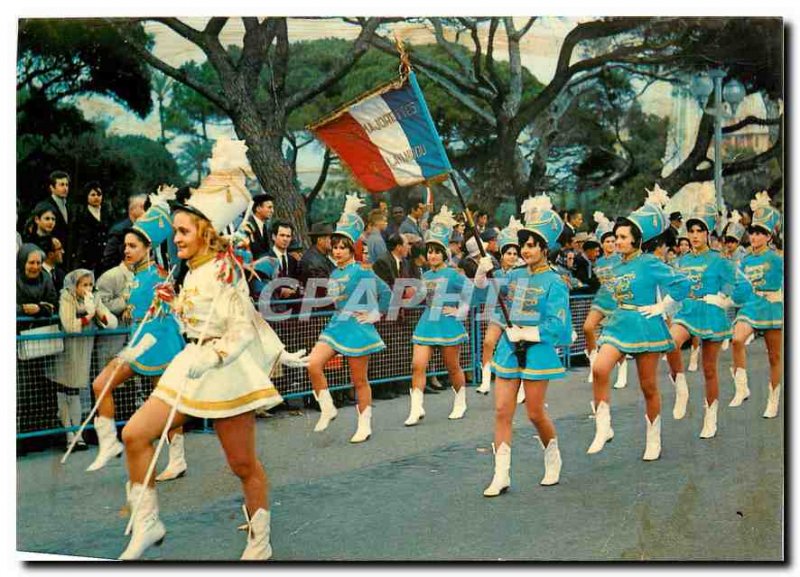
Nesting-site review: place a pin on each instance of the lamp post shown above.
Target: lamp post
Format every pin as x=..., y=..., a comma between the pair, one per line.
x=701, y=87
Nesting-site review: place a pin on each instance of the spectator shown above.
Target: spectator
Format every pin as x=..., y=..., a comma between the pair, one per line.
x=394, y=264
x=398, y=216
x=79, y=312
x=41, y=222
x=584, y=265
x=295, y=251
x=115, y=247
x=673, y=232
x=288, y=267
x=376, y=224
x=259, y=225
x=489, y=238
x=53, y=259
x=410, y=224
x=456, y=243
x=316, y=262
x=90, y=228
x=572, y=222
x=481, y=221
x=684, y=246
x=36, y=295
x=59, y=190
x=418, y=260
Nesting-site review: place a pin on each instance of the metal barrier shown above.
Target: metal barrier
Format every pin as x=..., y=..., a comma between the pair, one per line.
x=36, y=390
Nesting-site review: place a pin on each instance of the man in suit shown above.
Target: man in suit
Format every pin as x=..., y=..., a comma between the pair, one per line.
x=259, y=226
x=675, y=220
x=58, y=185
x=393, y=264
x=316, y=262
x=585, y=261
x=572, y=222
x=115, y=247
x=53, y=258
x=398, y=216
x=411, y=224
x=288, y=267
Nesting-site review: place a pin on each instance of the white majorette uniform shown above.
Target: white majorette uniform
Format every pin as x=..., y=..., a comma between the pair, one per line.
x=249, y=348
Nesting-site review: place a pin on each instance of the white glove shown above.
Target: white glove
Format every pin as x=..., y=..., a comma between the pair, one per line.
x=460, y=312
x=719, y=300
x=368, y=318
x=89, y=305
x=295, y=360
x=202, y=359
x=130, y=354
x=517, y=333
x=485, y=264
x=667, y=306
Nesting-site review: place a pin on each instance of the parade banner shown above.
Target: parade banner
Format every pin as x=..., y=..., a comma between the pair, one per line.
x=387, y=138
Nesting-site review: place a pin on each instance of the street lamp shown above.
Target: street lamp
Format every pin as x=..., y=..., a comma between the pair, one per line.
x=701, y=87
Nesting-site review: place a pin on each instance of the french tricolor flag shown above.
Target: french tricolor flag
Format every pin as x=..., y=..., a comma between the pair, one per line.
x=387, y=139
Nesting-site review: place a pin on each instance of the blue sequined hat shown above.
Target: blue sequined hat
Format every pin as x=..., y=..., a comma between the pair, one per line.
x=734, y=228
x=441, y=228
x=350, y=224
x=156, y=224
x=541, y=220
x=765, y=216
x=704, y=210
x=650, y=218
x=604, y=225
x=508, y=236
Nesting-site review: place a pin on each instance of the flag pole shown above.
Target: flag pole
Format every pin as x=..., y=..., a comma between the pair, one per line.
x=520, y=347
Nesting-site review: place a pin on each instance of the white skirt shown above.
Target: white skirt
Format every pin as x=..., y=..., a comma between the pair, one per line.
x=237, y=388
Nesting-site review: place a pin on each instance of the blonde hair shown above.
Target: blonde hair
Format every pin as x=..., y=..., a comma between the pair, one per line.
x=206, y=231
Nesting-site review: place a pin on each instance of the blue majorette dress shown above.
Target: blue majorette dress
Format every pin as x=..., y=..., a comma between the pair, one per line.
x=603, y=302
x=541, y=299
x=634, y=284
x=162, y=324
x=764, y=270
x=442, y=288
x=709, y=273
x=354, y=289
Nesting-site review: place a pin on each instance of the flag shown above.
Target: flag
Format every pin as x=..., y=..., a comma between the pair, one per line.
x=387, y=138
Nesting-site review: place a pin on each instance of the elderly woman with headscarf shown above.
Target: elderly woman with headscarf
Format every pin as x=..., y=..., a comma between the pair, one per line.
x=79, y=312
x=36, y=295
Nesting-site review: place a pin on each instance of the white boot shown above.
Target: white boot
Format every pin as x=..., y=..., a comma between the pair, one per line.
x=327, y=409
x=772, y=402
x=681, y=396
x=258, y=545
x=750, y=339
x=552, y=462
x=592, y=356
x=652, y=448
x=726, y=344
x=603, y=431
x=459, y=404
x=742, y=391
x=109, y=446
x=417, y=410
x=486, y=380
x=694, y=353
x=622, y=374
x=364, y=429
x=502, y=471
x=521, y=394
x=709, y=419
x=147, y=528
x=176, y=467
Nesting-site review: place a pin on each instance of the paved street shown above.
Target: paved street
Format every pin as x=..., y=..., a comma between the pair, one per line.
x=416, y=493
